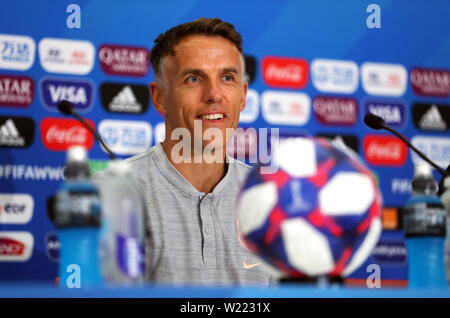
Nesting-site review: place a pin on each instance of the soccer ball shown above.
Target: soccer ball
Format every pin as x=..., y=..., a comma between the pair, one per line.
x=318, y=213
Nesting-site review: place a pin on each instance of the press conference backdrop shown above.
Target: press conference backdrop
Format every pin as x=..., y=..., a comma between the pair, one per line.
x=314, y=67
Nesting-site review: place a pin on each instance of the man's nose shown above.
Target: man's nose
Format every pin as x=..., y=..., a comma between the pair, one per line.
x=213, y=92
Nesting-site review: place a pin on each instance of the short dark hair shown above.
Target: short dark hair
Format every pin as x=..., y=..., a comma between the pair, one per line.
x=165, y=42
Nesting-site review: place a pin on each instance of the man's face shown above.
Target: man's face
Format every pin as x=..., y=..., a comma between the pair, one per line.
x=203, y=82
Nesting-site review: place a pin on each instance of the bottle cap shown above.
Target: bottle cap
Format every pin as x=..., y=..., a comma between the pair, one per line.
x=76, y=163
x=422, y=169
x=76, y=154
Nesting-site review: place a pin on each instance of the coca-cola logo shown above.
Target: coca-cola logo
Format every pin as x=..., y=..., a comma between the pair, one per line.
x=124, y=60
x=59, y=134
x=17, y=91
x=384, y=150
x=285, y=72
x=430, y=82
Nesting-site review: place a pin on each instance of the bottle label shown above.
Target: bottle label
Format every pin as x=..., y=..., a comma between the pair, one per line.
x=77, y=208
x=130, y=256
x=424, y=219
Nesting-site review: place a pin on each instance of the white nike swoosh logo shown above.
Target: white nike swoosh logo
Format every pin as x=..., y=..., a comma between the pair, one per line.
x=248, y=266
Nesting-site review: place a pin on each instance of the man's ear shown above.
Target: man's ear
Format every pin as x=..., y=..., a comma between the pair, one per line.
x=156, y=91
x=244, y=96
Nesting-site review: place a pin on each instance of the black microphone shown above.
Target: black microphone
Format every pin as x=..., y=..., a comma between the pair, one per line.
x=66, y=108
x=376, y=122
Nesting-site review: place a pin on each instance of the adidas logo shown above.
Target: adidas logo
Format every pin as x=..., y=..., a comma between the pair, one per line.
x=125, y=101
x=432, y=120
x=9, y=135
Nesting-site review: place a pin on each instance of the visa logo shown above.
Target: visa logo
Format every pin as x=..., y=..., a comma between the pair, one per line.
x=77, y=92
x=71, y=93
x=393, y=113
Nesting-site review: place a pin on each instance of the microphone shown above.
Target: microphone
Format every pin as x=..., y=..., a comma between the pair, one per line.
x=66, y=108
x=374, y=121
x=377, y=123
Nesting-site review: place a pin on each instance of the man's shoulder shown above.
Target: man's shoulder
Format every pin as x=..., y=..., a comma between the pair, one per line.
x=140, y=158
x=136, y=163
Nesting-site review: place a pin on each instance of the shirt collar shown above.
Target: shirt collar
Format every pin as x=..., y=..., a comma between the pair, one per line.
x=179, y=181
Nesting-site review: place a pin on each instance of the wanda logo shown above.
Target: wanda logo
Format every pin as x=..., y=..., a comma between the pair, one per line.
x=59, y=134
x=11, y=247
x=384, y=150
x=285, y=72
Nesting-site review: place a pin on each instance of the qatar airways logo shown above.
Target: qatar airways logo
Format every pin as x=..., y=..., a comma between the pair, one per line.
x=430, y=82
x=59, y=134
x=336, y=110
x=285, y=72
x=124, y=60
x=382, y=150
x=16, y=91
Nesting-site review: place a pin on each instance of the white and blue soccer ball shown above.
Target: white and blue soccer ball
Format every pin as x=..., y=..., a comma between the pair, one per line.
x=317, y=213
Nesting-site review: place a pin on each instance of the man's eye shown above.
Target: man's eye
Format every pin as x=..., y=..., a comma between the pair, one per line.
x=228, y=78
x=192, y=79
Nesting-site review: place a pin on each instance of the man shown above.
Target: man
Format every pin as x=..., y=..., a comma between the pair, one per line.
x=190, y=185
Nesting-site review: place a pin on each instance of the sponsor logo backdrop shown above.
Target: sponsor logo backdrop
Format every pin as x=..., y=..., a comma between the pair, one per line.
x=313, y=68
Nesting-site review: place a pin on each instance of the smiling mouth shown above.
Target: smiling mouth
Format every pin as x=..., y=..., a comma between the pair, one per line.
x=216, y=116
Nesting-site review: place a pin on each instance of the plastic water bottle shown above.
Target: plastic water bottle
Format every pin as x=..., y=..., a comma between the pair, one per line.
x=122, y=238
x=445, y=197
x=425, y=227
x=78, y=217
